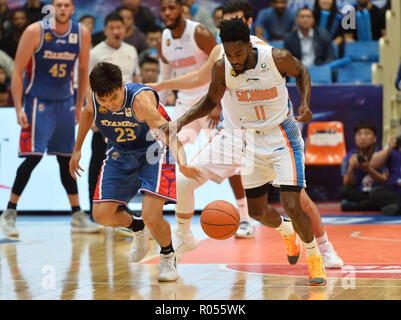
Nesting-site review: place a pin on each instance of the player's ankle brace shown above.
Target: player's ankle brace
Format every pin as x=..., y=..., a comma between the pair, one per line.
x=137, y=222
x=167, y=250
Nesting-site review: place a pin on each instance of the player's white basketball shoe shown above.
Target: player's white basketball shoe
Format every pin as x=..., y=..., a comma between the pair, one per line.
x=7, y=223
x=245, y=230
x=140, y=245
x=80, y=223
x=168, y=267
x=331, y=259
x=184, y=242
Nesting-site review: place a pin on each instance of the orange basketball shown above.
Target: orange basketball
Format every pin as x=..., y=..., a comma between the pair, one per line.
x=220, y=220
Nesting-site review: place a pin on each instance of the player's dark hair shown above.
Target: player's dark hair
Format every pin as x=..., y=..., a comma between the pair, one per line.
x=234, y=30
x=148, y=59
x=307, y=9
x=365, y=125
x=217, y=9
x=114, y=16
x=86, y=17
x=154, y=28
x=105, y=78
x=126, y=8
x=232, y=6
x=176, y=1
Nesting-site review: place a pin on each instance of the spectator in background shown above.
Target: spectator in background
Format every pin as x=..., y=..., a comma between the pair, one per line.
x=7, y=63
x=328, y=17
x=358, y=175
x=309, y=44
x=273, y=23
x=149, y=70
x=153, y=37
x=9, y=43
x=388, y=196
x=6, y=100
x=200, y=14
x=398, y=80
x=5, y=17
x=370, y=23
x=4, y=96
x=33, y=9
x=217, y=18
x=186, y=11
x=3, y=75
x=89, y=22
x=133, y=35
x=143, y=16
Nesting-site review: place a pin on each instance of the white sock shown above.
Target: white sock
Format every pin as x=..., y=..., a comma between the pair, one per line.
x=312, y=248
x=323, y=239
x=242, y=205
x=285, y=228
x=183, y=225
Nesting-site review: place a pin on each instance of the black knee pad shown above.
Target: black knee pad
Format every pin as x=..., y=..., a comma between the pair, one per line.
x=256, y=192
x=70, y=185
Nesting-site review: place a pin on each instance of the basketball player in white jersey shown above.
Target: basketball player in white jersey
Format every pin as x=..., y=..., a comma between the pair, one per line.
x=255, y=78
x=185, y=203
x=184, y=48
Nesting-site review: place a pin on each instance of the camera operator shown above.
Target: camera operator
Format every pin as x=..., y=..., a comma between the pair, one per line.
x=388, y=196
x=358, y=175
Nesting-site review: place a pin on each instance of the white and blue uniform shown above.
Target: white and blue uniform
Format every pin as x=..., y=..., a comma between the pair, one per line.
x=134, y=159
x=258, y=130
x=48, y=94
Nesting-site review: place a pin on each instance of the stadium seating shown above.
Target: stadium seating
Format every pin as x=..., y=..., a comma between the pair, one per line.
x=355, y=72
x=367, y=51
x=325, y=143
x=362, y=54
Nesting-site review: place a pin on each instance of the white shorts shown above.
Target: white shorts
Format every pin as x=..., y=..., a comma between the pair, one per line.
x=221, y=157
x=190, y=132
x=276, y=157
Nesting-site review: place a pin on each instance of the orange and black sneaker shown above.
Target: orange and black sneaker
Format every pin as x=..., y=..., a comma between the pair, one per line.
x=317, y=273
x=294, y=247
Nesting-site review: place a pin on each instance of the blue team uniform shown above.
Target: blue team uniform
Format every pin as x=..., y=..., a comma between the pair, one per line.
x=134, y=159
x=48, y=94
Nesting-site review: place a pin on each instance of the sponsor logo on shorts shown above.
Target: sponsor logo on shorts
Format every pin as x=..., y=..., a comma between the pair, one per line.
x=168, y=42
x=41, y=107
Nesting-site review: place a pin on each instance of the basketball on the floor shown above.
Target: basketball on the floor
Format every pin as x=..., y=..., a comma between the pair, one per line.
x=220, y=219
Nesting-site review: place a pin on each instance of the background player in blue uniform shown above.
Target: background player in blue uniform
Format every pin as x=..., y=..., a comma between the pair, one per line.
x=47, y=52
x=126, y=114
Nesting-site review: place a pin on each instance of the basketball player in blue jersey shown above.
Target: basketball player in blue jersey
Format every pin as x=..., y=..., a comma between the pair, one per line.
x=44, y=103
x=125, y=114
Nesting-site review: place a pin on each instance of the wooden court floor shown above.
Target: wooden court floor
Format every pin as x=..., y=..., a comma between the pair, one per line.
x=49, y=263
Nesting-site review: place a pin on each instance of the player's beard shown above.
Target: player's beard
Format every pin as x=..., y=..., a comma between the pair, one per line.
x=244, y=66
x=175, y=24
x=64, y=20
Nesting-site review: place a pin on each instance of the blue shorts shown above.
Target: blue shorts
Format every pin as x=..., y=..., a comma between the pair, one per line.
x=51, y=127
x=124, y=173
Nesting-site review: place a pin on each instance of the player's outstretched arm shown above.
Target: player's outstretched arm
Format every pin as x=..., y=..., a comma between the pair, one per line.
x=193, y=79
x=85, y=125
x=290, y=66
x=145, y=108
x=213, y=97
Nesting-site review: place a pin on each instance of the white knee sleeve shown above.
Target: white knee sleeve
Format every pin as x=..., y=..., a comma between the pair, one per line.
x=185, y=193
